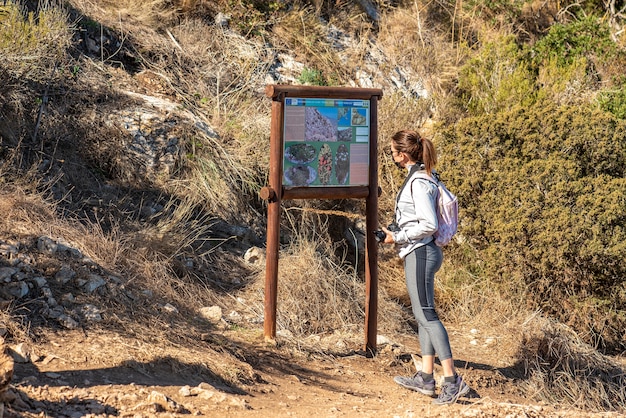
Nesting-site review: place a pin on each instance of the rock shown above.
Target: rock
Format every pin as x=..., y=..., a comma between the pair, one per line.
x=221, y=20
x=166, y=403
x=94, y=282
x=185, y=391
x=169, y=308
x=68, y=299
x=254, y=255
x=47, y=293
x=381, y=339
x=64, y=275
x=91, y=313
x=47, y=245
x=8, y=250
x=20, y=353
x=92, y=46
x=6, y=273
x=64, y=247
x=40, y=281
x=16, y=289
x=234, y=316
x=213, y=314
x=67, y=321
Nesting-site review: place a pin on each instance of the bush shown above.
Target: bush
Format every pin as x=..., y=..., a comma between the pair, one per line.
x=543, y=200
x=614, y=102
x=567, y=42
x=570, y=64
x=496, y=78
x=312, y=76
x=30, y=46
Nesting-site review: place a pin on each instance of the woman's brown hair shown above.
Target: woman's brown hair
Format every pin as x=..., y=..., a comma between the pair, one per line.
x=420, y=149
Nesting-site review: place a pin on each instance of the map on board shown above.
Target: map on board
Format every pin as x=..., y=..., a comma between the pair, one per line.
x=326, y=142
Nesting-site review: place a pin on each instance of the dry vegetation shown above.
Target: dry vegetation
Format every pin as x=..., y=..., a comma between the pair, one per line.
x=56, y=95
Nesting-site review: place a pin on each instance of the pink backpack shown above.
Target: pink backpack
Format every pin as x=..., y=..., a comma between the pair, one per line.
x=447, y=210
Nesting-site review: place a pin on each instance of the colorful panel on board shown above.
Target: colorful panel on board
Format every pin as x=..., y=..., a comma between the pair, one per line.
x=326, y=142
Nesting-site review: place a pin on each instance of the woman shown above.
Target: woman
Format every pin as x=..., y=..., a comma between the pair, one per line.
x=416, y=222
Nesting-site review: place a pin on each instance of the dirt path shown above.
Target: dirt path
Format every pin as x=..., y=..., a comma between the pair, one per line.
x=75, y=374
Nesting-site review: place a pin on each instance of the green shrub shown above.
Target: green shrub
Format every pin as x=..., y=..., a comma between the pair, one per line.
x=566, y=84
x=543, y=200
x=567, y=42
x=496, y=78
x=614, y=101
x=28, y=38
x=253, y=17
x=569, y=64
x=312, y=76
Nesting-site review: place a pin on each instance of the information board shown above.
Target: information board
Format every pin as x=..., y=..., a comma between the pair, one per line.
x=326, y=142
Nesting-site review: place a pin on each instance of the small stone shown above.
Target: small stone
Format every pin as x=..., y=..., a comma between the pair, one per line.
x=381, y=339
x=213, y=314
x=40, y=281
x=91, y=313
x=17, y=289
x=221, y=20
x=6, y=273
x=94, y=282
x=254, y=255
x=68, y=299
x=21, y=353
x=64, y=275
x=170, y=308
x=234, y=316
x=45, y=244
x=67, y=321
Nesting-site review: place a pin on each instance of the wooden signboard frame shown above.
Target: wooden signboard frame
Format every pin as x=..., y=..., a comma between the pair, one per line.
x=275, y=193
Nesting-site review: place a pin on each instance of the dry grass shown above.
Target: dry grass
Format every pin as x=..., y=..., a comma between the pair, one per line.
x=561, y=369
x=31, y=47
x=411, y=39
x=144, y=260
x=13, y=327
x=302, y=33
x=136, y=13
x=319, y=295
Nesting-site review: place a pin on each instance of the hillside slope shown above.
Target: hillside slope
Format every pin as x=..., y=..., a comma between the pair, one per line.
x=134, y=141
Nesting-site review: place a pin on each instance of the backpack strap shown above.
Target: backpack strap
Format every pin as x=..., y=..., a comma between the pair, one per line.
x=434, y=179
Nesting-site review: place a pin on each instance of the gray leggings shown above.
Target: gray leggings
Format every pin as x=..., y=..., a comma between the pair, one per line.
x=420, y=266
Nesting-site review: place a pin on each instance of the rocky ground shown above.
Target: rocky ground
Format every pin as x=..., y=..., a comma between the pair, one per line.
x=75, y=363
x=78, y=373
x=74, y=360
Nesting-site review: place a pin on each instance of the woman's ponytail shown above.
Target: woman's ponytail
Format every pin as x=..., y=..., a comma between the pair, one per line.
x=419, y=148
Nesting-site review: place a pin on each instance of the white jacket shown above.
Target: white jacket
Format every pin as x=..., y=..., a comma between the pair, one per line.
x=416, y=214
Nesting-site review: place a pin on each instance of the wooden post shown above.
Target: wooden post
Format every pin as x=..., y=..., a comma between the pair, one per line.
x=273, y=221
x=275, y=193
x=371, y=246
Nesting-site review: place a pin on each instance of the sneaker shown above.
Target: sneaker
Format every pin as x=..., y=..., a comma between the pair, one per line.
x=451, y=392
x=416, y=383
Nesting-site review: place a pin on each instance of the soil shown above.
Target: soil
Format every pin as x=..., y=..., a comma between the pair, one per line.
x=78, y=373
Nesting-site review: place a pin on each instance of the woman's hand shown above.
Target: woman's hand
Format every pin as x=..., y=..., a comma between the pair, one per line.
x=388, y=236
